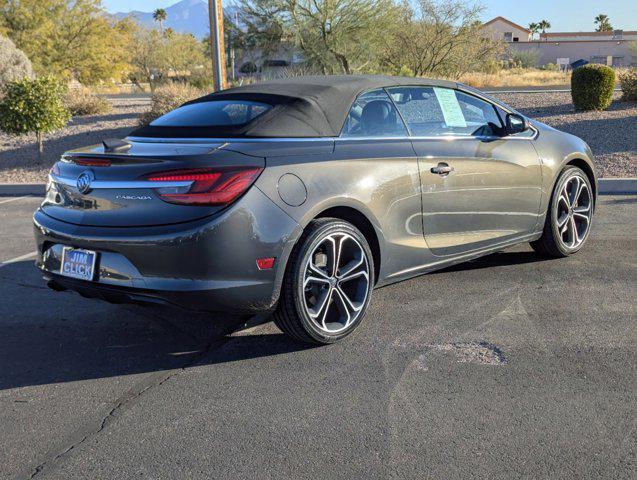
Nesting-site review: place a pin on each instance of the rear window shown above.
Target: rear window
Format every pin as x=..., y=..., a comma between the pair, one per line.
x=218, y=113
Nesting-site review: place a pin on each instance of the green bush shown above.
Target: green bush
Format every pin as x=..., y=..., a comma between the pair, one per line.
x=168, y=97
x=81, y=101
x=525, y=59
x=33, y=106
x=592, y=87
x=628, y=82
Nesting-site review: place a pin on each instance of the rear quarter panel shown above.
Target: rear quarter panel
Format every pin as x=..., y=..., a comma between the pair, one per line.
x=378, y=179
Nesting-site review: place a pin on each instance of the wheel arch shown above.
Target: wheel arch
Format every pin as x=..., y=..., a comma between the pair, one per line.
x=588, y=170
x=363, y=224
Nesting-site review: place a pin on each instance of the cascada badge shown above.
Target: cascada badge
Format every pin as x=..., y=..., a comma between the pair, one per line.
x=84, y=181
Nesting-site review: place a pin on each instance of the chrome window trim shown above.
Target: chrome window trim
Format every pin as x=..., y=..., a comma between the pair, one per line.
x=119, y=184
x=205, y=141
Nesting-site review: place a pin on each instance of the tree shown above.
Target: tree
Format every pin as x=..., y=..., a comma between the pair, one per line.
x=33, y=106
x=69, y=38
x=14, y=64
x=603, y=23
x=544, y=25
x=335, y=36
x=439, y=38
x=261, y=32
x=160, y=17
x=535, y=28
x=155, y=56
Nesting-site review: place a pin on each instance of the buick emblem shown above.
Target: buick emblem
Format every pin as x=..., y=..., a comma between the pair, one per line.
x=84, y=181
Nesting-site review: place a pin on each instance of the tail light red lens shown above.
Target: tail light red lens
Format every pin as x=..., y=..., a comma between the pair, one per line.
x=209, y=186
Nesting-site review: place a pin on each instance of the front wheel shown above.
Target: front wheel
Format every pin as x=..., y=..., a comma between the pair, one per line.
x=569, y=217
x=328, y=283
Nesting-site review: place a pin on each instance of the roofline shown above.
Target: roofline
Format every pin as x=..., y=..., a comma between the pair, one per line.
x=588, y=34
x=506, y=20
x=550, y=42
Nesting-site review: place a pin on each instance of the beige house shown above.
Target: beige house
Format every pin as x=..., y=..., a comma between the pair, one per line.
x=505, y=30
x=564, y=48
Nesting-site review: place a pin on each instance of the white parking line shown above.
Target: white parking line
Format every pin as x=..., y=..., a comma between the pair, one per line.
x=11, y=200
x=18, y=259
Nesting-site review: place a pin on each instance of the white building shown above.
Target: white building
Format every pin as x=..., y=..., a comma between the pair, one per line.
x=609, y=48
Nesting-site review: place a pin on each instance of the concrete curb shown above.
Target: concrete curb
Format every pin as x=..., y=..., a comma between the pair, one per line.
x=22, y=189
x=618, y=186
x=607, y=186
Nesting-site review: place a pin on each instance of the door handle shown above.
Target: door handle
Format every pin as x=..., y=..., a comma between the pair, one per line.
x=442, y=169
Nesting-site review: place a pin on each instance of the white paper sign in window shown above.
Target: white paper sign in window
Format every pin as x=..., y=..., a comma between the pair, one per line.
x=450, y=107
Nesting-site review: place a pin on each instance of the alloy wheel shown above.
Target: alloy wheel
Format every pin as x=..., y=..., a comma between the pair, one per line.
x=336, y=283
x=574, y=212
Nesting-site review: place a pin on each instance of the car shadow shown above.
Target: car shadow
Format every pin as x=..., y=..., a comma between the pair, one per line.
x=51, y=337
x=499, y=259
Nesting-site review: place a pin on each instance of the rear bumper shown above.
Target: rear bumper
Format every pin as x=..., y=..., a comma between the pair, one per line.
x=205, y=265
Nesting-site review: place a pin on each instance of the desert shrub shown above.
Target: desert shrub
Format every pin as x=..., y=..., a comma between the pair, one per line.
x=628, y=82
x=551, y=67
x=405, y=71
x=33, y=106
x=81, y=101
x=167, y=97
x=524, y=59
x=14, y=64
x=248, y=68
x=592, y=87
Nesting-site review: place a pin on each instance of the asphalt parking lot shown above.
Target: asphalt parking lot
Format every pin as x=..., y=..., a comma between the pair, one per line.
x=510, y=366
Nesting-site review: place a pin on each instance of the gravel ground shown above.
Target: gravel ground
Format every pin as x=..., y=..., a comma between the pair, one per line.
x=611, y=134
x=18, y=155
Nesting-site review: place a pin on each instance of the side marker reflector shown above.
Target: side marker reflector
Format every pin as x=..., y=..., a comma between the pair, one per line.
x=265, y=263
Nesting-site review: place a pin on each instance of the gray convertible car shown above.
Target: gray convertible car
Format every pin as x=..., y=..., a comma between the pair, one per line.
x=299, y=196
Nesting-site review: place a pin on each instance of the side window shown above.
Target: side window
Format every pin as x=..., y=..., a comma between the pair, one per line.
x=373, y=115
x=434, y=112
x=481, y=116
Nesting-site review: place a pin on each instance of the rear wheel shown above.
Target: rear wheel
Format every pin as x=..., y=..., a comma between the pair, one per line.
x=328, y=283
x=569, y=217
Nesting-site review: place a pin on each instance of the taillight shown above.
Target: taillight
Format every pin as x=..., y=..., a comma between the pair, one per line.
x=92, y=162
x=209, y=186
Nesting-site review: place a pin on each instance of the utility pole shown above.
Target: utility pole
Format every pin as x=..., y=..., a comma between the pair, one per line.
x=215, y=10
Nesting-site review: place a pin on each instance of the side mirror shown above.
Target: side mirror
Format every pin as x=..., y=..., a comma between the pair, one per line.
x=516, y=124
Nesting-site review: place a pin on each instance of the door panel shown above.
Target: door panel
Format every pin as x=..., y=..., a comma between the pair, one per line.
x=492, y=195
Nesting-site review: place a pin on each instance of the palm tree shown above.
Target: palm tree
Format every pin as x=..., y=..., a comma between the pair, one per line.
x=544, y=25
x=160, y=17
x=603, y=23
x=535, y=28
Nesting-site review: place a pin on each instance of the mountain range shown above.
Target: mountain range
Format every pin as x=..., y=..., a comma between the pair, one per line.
x=187, y=16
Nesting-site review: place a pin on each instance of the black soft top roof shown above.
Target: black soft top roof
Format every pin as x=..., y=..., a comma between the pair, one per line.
x=312, y=106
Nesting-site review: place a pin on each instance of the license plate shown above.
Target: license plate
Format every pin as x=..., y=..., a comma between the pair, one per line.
x=78, y=263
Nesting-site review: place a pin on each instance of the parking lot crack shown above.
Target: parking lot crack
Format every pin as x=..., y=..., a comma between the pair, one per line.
x=127, y=400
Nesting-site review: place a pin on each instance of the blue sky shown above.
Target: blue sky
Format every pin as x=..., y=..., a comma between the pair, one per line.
x=564, y=15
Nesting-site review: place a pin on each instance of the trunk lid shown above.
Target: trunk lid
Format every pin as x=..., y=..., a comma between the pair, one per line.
x=119, y=195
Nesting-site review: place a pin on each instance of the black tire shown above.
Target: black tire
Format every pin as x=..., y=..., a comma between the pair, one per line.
x=551, y=243
x=292, y=315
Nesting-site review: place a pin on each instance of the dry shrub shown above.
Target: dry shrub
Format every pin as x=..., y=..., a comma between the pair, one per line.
x=628, y=82
x=14, y=64
x=516, y=77
x=168, y=97
x=81, y=101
